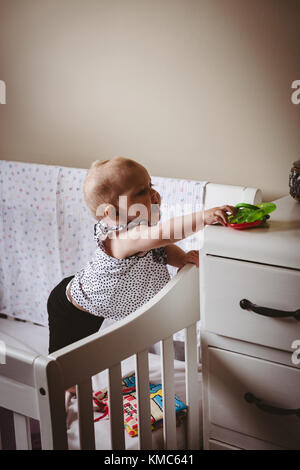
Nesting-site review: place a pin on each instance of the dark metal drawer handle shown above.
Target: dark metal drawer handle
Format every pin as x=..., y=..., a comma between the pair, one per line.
x=268, y=312
x=250, y=398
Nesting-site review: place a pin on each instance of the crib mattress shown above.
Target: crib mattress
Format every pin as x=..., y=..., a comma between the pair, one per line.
x=31, y=337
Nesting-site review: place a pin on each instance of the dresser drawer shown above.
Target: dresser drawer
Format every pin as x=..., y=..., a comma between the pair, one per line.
x=245, y=393
x=226, y=282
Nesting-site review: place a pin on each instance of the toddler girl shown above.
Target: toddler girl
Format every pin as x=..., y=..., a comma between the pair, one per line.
x=130, y=263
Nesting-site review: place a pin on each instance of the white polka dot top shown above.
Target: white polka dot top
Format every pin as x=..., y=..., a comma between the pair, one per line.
x=113, y=288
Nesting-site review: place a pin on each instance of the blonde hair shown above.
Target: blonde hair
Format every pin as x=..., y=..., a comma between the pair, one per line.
x=94, y=187
x=101, y=184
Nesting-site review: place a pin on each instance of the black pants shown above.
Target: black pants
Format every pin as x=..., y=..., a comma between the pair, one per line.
x=68, y=323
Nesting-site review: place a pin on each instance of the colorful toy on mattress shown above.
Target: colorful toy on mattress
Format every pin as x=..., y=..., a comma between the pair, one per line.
x=249, y=215
x=130, y=405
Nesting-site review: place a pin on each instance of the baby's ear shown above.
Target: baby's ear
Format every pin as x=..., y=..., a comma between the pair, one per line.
x=106, y=210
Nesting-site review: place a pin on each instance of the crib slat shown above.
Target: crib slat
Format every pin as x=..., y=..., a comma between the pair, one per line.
x=85, y=415
x=143, y=399
x=49, y=383
x=116, y=408
x=169, y=415
x=192, y=389
x=22, y=432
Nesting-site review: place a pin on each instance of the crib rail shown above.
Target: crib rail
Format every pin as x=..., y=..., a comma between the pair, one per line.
x=43, y=380
x=142, y=387
x=116, y=407
x=173, y=309
x=18, y=393
x=17, y=385
x=169, y=417
x=85, y=415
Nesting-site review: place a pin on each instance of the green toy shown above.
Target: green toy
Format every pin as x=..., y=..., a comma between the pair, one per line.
x=250, y=214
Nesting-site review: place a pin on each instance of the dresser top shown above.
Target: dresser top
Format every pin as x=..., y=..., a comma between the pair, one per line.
x=277, y=242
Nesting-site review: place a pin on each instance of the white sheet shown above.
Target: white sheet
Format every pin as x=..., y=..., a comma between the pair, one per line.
x=29, y=250
x=30, y=337
x=24, y=335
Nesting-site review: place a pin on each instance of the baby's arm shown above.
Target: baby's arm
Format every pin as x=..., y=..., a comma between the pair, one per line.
x=145, y=238
x=179, y=258
x=175, y=255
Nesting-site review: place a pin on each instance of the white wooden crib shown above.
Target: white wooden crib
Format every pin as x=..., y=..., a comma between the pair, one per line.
x=33, y=385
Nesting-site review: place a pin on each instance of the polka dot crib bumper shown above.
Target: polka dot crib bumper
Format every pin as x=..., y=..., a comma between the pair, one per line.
x=47, y=232
x=29, y=257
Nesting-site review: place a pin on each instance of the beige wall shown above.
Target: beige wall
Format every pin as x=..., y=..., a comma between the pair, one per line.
x=197, y=89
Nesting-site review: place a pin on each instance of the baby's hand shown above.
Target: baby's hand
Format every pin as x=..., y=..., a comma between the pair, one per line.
x=190, y=257
x=218, y=214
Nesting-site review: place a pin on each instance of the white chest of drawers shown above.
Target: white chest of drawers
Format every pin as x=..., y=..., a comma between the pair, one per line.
x=250, y=333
